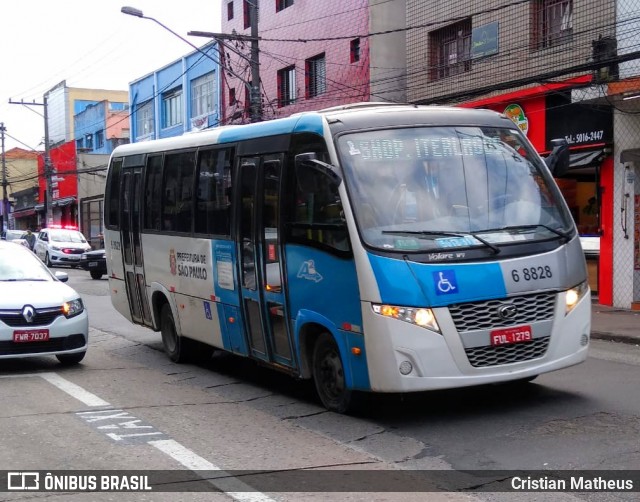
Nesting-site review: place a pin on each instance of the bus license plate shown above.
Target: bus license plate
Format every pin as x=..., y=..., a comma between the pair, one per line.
x=511, y=335
x=30, y=335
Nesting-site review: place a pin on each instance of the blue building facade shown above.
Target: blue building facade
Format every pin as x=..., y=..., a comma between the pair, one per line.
x=182, y=96
x=101, y=126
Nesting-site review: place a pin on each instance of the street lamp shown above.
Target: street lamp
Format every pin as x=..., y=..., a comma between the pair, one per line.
x=132, y=11
x=256, y=105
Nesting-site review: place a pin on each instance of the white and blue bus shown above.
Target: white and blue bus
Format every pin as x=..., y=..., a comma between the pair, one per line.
x=369, y=247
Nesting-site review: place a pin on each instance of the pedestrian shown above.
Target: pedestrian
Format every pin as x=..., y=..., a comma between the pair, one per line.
x=30, y=238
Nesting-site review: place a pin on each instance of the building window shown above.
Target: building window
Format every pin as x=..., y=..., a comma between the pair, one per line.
x=286, y=86
x=230, y=11
x=144, y=120
x=100, y=139
x=283, y=4
x=355, y=50
x=246, y=10
x=202, y=95
x=553, y=22
x=450, y=50
x=172, y=108
x=316, y=76
x=88, y=141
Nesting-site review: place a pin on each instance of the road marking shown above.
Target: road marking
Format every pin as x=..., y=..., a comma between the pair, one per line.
x=195, y=462
x=228, y=484
x=84, y=396
x=65, y=385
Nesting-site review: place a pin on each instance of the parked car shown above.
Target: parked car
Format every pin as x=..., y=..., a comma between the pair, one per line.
x=39, y=315
x=17, y=236
x=60, y=246
x=95, y=262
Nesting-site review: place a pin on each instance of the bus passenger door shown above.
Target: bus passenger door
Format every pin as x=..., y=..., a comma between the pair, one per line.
x=131, y=196
x=261, y=268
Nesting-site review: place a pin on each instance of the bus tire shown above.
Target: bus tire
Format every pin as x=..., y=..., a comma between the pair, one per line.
x=173, y=343
x=328, y=374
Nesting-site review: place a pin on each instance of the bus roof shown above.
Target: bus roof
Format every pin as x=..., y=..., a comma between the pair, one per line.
x=339, y=118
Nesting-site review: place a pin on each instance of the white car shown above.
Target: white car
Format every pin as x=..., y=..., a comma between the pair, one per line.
x=39, y=315
x=60, y=246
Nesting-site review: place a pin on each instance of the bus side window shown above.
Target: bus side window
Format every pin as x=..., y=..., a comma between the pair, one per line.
x=177, y=203
x=153, y=193
x=318, y=217
x=113, y=195
x=213, y=192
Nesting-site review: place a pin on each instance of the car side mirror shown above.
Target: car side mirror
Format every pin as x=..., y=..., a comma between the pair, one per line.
x=61, y=276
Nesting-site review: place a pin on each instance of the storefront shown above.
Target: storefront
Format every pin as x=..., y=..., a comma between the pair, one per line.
x=547, y=112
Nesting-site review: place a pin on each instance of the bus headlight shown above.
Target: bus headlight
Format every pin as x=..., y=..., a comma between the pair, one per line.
x=574, y=295
x=422, y=317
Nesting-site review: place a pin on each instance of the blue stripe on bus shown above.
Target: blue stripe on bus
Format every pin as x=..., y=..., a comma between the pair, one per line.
x=436, y=285
x=303, y=123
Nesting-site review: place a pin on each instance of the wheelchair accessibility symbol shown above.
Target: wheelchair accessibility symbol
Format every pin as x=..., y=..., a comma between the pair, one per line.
x=445, y=282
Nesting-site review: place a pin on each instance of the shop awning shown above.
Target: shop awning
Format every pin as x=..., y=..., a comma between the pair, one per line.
x=591, y=158
x=631, y=155
x=67, y=201
x=23, y=213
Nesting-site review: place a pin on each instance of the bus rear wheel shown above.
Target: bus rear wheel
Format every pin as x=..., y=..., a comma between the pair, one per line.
x=173, y=344
x=328, y=374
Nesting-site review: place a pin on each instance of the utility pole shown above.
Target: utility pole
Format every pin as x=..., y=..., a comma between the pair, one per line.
x=4, y=217
x=48, y=170
x=255, y=98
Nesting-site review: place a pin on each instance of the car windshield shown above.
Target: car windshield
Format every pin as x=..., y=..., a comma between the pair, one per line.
x=427, y=188
x=67, y=236
x=21, y=264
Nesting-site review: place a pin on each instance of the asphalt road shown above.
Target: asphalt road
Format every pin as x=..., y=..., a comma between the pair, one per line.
x=237, y=415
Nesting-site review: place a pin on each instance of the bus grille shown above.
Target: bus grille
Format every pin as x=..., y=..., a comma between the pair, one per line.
x=484, y=315
x=505, y=354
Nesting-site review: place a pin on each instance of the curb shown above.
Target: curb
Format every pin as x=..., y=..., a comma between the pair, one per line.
x=616, y=337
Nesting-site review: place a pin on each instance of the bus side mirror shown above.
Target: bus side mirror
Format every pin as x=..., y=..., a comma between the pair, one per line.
x=558, y=160
x=307, y=163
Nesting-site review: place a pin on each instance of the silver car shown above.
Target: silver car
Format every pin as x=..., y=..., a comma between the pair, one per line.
x=60, y=246
x=39, y=315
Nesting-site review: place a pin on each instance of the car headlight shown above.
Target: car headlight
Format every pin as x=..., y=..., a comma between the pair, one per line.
x=574, y=295
x=423, y=317
x=84, y=257
x=72, y=308
x=55, y=248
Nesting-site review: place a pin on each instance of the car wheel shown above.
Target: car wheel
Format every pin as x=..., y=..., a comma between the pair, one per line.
x=95, y=274
x=329, y=377
x=47, y=260
x=70, y=359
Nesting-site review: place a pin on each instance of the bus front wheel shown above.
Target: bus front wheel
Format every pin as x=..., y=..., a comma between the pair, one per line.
x=328, y=374
x=171, y=342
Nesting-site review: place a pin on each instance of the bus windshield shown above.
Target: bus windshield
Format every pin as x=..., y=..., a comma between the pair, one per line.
x=427, y=188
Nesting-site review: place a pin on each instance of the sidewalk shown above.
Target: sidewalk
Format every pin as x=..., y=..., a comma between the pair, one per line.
x=610, y=323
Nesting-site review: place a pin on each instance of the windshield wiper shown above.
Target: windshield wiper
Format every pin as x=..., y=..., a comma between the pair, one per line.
x=529, y=227
x=493, y=247
x=21, y=280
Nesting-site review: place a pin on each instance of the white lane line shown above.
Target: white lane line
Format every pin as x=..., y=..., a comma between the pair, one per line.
x=196, y=463
x=84, y=396
x=65, y=385
x=175, y=450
